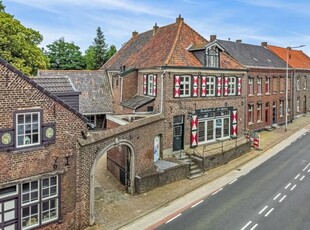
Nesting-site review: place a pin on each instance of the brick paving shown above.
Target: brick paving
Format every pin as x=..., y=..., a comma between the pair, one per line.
x=115, y=208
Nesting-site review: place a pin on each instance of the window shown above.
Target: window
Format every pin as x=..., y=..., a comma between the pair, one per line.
x=275, y=85
x=281, y=108
x=305, y=82
x=259, y=112
x=212, y=56
x=282, y=84
x=28, y=131
x=91, y=119
x=39, y=202
x=250, y=86
x=298, y=104
x=232, y=84
x=150, y=83
x=250, y=114
x=267, y=85
x=185, y=86
x=211, y=81
x=298, y=83
x=259, y=86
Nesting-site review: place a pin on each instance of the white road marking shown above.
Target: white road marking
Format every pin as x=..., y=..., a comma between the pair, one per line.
x=297, y=176
x=276, y=197
x=245, y=226
x=302, y=178
x=217, y=191
x=309, y=170
x=261, y=211
x=293, y=187
x=305, y=168
x=233, y=181
x=288, y=185
x=173, y=218
x=254, y=227
x=282, y=198
x=197, y=204
x=269, y=212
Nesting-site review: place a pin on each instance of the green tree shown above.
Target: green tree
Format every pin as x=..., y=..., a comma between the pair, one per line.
x=64, y=55
x=19, y=45
x=111, y=51
x=100, y=48
x=90, y=57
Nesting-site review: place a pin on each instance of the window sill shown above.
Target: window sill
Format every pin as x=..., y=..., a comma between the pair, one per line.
x=267, y=94
x=250, y=123
x=258, y=122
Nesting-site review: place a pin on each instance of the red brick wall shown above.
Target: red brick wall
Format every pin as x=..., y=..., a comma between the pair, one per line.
x=111, y=124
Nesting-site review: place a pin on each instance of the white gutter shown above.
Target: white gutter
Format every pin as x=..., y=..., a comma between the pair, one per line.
x=162, y=91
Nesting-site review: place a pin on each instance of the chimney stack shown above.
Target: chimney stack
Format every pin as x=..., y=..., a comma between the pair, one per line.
x=155, y=29
x=264, y=44
x=135, y=34
x=179, y=19
x=239, y=40
x=212, y=38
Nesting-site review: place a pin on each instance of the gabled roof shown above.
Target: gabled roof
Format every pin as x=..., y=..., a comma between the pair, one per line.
x=252, y=55
x=96, y=96
x=163, y=46
x=137, y=101
x=56, y=84
x=39, y=87
x=297, y=58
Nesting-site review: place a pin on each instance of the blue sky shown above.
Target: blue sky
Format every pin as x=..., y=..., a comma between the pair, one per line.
x=279, y=22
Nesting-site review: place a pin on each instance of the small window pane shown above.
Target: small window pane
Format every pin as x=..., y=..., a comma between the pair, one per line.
x=28, y=129
x=9, y=205
x=35, y=128
x=28, y=118
x=53, y=191
x=35, y=117
x=9, y=215
x=20, y=119
x=26, y=211
x=25, y=187
x=35, y=138
x=26, y=198
x=46, y=182
x=53, y=180
x=34, y=185
x=45, y=192
x=20, y=129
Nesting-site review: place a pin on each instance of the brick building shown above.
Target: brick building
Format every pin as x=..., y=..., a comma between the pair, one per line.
x=173, y=70
x=299, y=72
x=38, y=149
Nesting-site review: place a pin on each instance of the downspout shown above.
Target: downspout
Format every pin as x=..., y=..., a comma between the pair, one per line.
x=293, y=95
x=162, y=91
x=121, y=97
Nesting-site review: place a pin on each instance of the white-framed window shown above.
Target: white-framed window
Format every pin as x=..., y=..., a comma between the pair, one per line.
x=267, y=85
x=91, y=119
x=305, y=82
x=185, y=86
x=28, y=129
x=39, y=203
x=232, y=85
x=281, y=108
x=259, y=85
x=250, y=86
x=298, y=83
x=250, y=114
x=298, y=104
x=211, y=85
x=259, y=112
x=275, y=85
x=212, y=57
x=150, y=84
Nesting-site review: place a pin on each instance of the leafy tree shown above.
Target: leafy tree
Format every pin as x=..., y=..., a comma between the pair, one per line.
x=90, y=57
x=64, y=55
x=19, y=45
x=111, y=51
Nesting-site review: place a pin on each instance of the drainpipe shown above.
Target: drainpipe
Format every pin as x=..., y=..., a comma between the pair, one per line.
x=162, y=91
x=121, y=82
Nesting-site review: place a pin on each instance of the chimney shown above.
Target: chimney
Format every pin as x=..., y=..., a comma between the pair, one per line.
x=155, y=29
x=212, y=38
x=135, y=34
x=264, y=44
x=239, y=40
x=179, y=19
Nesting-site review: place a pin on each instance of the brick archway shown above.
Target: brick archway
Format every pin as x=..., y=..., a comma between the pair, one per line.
x=100, y=154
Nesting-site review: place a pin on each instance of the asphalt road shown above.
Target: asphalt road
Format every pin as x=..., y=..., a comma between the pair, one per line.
x=275, y=195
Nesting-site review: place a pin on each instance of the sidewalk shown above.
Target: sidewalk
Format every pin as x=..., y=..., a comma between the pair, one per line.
x=126, y=208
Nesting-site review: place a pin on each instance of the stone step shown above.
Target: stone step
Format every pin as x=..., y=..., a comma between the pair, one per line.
x=195, y=175
x=197, y=170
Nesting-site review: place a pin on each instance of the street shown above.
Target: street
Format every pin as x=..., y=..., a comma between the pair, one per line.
x=274, y=195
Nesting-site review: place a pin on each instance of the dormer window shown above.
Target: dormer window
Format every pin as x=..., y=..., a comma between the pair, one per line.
x=212, y=57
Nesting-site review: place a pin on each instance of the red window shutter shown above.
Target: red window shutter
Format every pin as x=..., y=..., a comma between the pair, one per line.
x=219, y=86
x=195, y=86
x=194, y=134
x=144, y=84
x=234, y=123
x=203, y=86
x=239, y=86
x=226, y=86
x=155, y=85
x=176, y=91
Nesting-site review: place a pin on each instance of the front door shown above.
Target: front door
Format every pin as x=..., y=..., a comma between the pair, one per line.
x=178, y=133
x=267, y=114
x=274, y=113
x=218, y=129
x=8, y=214
x=305, y=104
x=156, y=148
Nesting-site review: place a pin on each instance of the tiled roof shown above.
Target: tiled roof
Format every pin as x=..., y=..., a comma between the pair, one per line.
x=56, y=84
x=137, y=101
x=96, y=96
x=297, y=58
x=252, y=55
x=167, y=47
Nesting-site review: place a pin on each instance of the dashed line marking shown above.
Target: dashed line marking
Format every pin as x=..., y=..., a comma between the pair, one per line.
x=276, y=197
x=233, y=181
x=254, y=227
x=217, y=191
x=309, y=170
x=282, y=199
x=302, y=178
x=199, y=202
x=245, y=226
x=293, y=187
x=288, y=185
x=296, y=177
x=173, y=218
x=305, y=168
x=264, y=208
x=267, y=214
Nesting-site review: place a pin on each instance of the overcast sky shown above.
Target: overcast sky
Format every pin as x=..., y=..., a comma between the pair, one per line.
x=279, y=22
